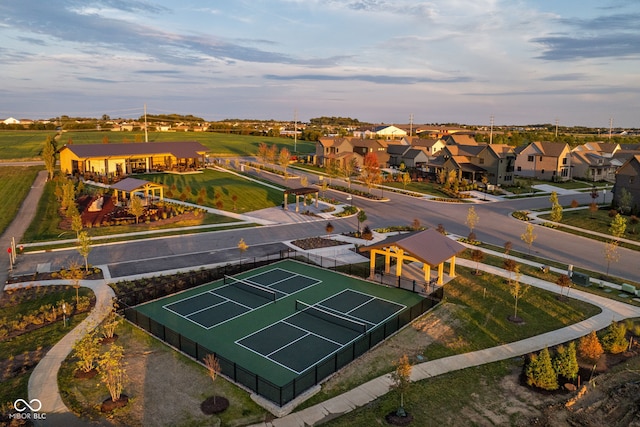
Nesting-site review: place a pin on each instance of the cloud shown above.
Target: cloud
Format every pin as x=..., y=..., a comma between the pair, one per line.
x=610, y=36
x=96, y=80
x=567, y=77
x=379, y=79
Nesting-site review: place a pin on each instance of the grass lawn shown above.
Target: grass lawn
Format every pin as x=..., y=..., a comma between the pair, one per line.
x=33, y=343
x=15, y=183
x=598, y=221
x=420, y=187
x=22, y=145
x=217, y=189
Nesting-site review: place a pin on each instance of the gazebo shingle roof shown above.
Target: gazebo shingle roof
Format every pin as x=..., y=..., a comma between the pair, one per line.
x=428, y=246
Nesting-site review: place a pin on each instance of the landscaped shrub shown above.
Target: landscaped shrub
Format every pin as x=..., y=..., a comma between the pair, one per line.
x=589, y=347
x=539, y=371
x=565, y=361
x=521, y=215
x=614, y=340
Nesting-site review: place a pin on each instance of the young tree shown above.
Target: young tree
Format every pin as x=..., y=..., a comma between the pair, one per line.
x=593, y=208
x=283, y=160
x=442, y=176
x=213, y=369
x=517, y=291
x=76, y=223
x=540, y=372
x=110, y=324
x=614, y=340
x=49, y=157
x=348, y=169
x=589, y=347
x=362, y=217
x=556, y=208
x=441, y=230
x=401, y=378
x=618, y=226
x=564, y=281
x=477, y=256
x=370, y=173
x=611, y=253
x=625, y=200
x=329, y=228
x=242, y=247
x=565, y=361
x=272, y=154
x=112, y=370
x=472, y=219
x=74, y=274
x=510, y=265
x=333, y=168
x=84, y=247
x=406, y=180
x=263, y=152
x=135, y=207
x=507, y=247
x=529, y=236
x=87, y=351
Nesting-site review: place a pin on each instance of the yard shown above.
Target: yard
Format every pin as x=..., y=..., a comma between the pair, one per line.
x=598, y=221
x=22, y=145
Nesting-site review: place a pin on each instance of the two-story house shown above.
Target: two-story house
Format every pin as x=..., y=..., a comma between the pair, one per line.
x=628, y=177
x=544, y=160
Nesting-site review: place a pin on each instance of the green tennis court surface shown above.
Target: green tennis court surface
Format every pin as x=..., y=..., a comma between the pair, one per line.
x=279, y=322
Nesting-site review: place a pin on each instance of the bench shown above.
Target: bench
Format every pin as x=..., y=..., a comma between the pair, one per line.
x=630, y=289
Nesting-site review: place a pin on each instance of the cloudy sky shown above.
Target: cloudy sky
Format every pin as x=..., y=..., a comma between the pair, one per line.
x=521, y=61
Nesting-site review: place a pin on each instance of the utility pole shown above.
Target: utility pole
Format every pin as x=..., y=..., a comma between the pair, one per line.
x=146, y=134
x=556, y=128
x=491, y=131
x=410, y=124
x=295, y=131
x=610, y=127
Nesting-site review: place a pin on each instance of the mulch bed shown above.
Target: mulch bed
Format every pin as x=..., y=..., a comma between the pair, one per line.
x=316, y=243
x=109, y=405
x=214, y=405
x=395, y=420
x=82, y=375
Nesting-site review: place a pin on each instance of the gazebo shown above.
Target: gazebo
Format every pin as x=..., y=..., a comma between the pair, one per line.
x=429, y=247
x=303, y=191
x=132, y=185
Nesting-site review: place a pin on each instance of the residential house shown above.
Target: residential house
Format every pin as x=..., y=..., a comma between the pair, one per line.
x=436, y=131
x=383, y=131
x=628, y=177
x=406, y=155
x=332, y=148
x=11, y=121
x=377, y=146
x=544, y=160
x=123, y=159
x=430, y=146
x=594, y=166
x=460, y=139
x=499, y=161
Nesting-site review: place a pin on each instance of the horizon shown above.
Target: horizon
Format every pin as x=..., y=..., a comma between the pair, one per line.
x=536, y=61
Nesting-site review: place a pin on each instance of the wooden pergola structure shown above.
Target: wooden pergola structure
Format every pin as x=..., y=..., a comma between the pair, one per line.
x=132, y=185
x=303, y=191
x=429, y=247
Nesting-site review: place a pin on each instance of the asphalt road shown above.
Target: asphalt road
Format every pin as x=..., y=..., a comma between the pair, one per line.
x=495, y=226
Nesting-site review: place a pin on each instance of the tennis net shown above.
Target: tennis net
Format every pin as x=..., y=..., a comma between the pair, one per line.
x=258, y=290
x=334, y=318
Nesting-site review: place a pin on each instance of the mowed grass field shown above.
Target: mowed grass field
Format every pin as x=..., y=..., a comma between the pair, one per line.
x=23, y=145
x=15, y=183
x=217, y=190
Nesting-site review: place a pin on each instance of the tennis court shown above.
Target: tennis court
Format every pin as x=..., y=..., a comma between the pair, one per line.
x=316, y=331
x=281, y=328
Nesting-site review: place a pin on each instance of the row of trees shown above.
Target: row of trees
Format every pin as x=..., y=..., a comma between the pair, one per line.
x=543, y=369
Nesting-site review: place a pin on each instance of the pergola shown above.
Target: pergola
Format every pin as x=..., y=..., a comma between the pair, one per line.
x=429, y=247
x=132, y=185
x=300, y=192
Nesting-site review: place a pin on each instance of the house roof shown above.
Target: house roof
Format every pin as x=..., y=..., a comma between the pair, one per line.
x=397, y=149
x=413, y=153
x=551, y=149
x=428, y=246
x=501, y=150
x=180, y=149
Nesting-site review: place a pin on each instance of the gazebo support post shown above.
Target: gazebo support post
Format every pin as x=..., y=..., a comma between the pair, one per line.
x=441, y=273
x=452, y=267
